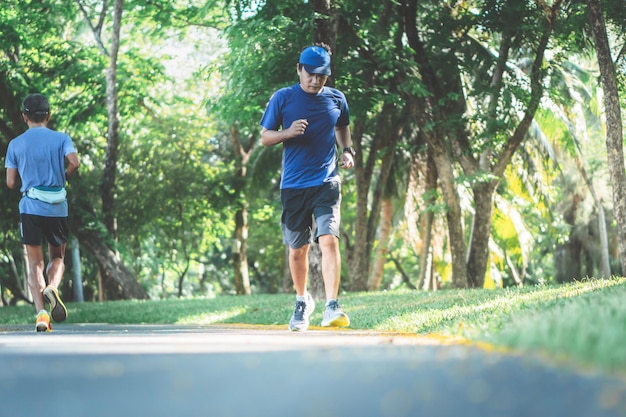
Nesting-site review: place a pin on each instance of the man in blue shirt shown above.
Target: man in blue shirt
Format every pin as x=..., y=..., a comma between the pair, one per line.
x=36, y=162
x=310, y=119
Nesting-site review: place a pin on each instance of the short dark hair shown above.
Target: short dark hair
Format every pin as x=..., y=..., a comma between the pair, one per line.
x=325, y=46
x=36, y=107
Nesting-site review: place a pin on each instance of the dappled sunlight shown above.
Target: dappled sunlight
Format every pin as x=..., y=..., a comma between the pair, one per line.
x=592, y=328
x=211, y=317
x=428, y=315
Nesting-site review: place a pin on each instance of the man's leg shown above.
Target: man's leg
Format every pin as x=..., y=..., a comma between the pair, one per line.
x=331, y=265
x=56, y=264
x=54, y=271
x=331, y=270
x=36, y=281
x=327, y=220
x=299, y=267
x=296, y=214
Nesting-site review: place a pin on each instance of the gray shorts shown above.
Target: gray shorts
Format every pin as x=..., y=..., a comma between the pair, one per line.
x=306, y=207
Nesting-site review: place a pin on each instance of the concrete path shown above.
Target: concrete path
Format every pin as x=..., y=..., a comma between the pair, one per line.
x=185, y=371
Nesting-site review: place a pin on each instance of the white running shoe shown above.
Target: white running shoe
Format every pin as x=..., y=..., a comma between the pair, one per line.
x=300, y=318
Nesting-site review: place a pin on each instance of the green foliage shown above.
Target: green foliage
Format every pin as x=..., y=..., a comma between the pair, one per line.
x=264, y=59
x=189, y=71
x=171, y=191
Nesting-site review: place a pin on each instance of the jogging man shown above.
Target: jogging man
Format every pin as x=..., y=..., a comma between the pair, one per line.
x=36, y=162
x=310, y=119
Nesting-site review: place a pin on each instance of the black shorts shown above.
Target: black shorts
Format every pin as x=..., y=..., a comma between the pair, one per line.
x=300, y=206
x=35, y=228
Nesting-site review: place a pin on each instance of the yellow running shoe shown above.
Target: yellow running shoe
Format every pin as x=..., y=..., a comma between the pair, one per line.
x=57, y=308
x=334, y=316
x=43, y=322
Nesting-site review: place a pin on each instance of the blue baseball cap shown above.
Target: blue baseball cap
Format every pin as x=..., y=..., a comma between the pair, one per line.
x=315, y=60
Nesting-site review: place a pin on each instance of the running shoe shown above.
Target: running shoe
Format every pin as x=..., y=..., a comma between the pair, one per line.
x=334, y=316
x=57, y=308
x=43, y=322
x=300, y=318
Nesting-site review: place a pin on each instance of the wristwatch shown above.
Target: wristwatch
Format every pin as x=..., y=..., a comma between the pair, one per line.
x=350, y=150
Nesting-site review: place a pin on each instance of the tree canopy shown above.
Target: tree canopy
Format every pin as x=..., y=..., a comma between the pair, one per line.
x=479, y=127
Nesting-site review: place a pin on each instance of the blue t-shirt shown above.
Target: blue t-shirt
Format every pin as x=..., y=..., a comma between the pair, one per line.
x=39, y=157
x=310, y=159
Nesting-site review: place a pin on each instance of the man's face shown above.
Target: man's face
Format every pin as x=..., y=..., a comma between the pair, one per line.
x=311, y=83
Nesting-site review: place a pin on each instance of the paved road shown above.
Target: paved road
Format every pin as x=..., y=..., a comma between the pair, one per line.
x=221, y=371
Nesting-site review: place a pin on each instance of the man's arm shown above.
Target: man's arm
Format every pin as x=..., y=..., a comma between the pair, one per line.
x=13, y=178
x=274, y=137
x=344, y=140
x=72, y=164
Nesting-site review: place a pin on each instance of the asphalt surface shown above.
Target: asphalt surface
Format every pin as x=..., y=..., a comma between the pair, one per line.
x=128, y=371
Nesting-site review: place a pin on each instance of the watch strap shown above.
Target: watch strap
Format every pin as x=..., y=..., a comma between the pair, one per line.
x=349, y=150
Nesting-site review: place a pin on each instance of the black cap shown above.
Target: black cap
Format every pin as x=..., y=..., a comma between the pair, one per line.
x=36, y=104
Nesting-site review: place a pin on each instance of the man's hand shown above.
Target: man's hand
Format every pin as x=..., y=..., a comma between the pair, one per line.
x=346, y=161
x=297, y=128
x=274, y=137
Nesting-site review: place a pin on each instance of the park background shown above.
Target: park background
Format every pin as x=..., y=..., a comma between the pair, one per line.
x=488, y=138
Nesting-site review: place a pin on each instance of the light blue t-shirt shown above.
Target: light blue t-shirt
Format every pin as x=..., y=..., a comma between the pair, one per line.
x=39, y=157
x=310, y=159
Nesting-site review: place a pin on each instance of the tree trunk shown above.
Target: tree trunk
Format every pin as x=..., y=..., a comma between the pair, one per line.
x=454, y=217
x=118, y=282
x=240, y=233
x=403, y=274
x=240, y=252
x=12, y=282
x=478, y=254
x=183, y=245
x=315, y=284
x=107, y=186
x=13, y=125
x=426, y=226
x=326, y=26
x=368, y=208
x=380, y=257
x=101, y=292
x=77, y=269
x=115, y=281
x=450, y=144
x=181, y=277
x=427, y=112
x=614, y=135
x=605, y=259
x=358, y=254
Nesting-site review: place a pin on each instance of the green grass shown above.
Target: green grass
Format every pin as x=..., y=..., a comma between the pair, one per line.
x=579, y=324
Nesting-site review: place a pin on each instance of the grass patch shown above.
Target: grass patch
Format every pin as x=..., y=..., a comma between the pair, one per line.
x=583, y=323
